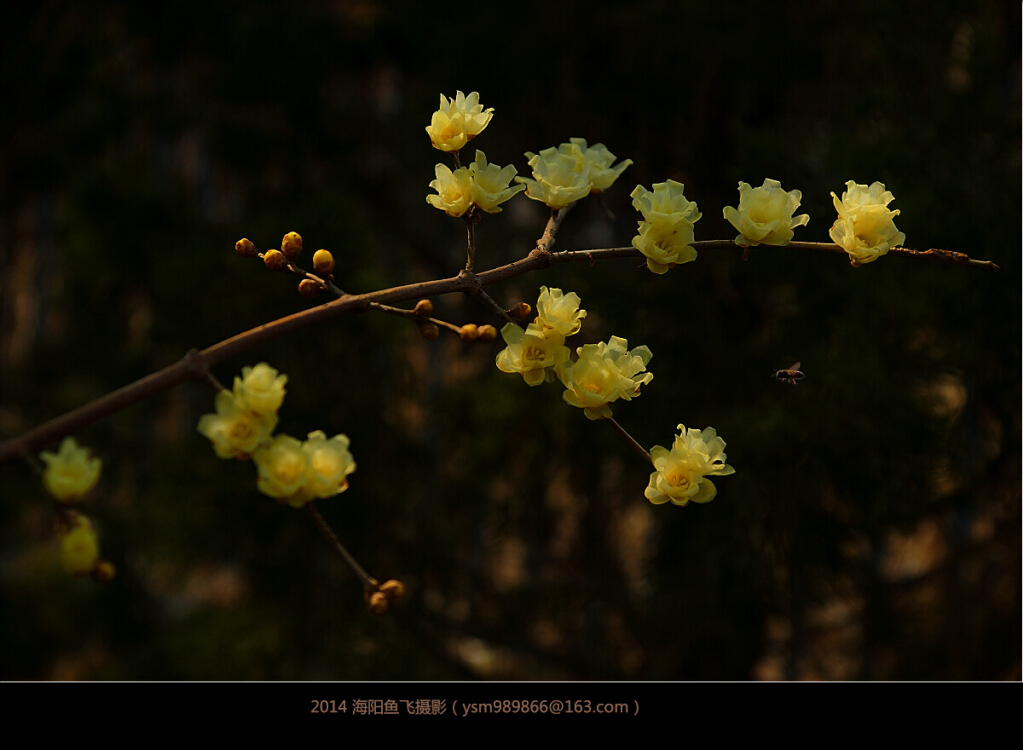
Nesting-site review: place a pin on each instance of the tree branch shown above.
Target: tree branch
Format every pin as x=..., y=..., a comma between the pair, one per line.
x=195, y=365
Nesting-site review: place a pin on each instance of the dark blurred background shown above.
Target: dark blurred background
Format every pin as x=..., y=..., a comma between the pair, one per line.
x=872, y=527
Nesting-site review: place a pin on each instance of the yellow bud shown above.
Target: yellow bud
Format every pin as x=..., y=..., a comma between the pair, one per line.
x=520, y=310
x=275, y=260
x=430, y=331
x=378, y=603
x=423, y=307
x=323, y=262
x=469, y=332
x=291, y=245
x=245, y=248
x=104, y=572
x=308, y=288
x=393, y=589
x=487, y=333
x=79, y=548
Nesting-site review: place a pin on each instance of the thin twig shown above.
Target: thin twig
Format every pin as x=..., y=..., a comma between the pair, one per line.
x=195, y=364
x=368, y=582
x=413, y=315
x=629, y=439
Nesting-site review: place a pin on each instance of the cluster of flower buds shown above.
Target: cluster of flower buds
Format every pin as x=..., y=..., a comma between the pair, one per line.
x=284, y=260
x=602, y=374
x=378, y=600
x=69, y=476
x=290, y=471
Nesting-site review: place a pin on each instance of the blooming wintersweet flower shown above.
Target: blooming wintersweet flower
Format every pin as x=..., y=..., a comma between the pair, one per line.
x=455, y=191
x=490, y=184
x=260, y=389
x=71, y=472
x=666, y=232
x=79, y=547
x=559, y=178
x=458, y=121
x=764, y=215
x=330, y=463
x=530, y=352
x=283, y=471
x=559, y=313
x=597, y=159
x=603, y=374
x=681, y=473
x=235, y=430
x=665, y=244
x=865, y=227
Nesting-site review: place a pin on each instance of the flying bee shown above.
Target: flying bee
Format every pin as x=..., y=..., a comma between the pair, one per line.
x=792, y=375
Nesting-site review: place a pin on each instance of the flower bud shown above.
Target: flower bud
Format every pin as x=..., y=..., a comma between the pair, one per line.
x=378, y=603
x=520, y=310
x=469, y=332
x=487, y=333
x=291, y=245
x=245, y=248
x=423, y=307
x=104, y=572
x=393, y=589
x=430, y=331
x=79, y=548
x=308, y=288
x=323, y=262
x=275, y=260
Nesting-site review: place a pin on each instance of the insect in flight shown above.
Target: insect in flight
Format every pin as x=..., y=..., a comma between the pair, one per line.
x=792, y=375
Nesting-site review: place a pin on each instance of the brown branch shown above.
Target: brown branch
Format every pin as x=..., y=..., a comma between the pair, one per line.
x=195, y=365
x=629, y=439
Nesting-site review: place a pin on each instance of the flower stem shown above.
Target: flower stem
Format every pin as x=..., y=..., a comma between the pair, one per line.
x=368, y=582
x=629, y=439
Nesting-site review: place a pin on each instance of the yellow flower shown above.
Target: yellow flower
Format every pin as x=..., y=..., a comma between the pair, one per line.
x=79, y=548
x=597, y=159
x=681, y=473
x=665, y=244
x=604, y=373
x=490, y=184
x=665, y=204
x=330, y=463
x=559, y=313
x=865, y=227
x=530, y=352
x=260, y=389
x=666, y=232
x=283, y=471
x=70, y=473
x=765, y=213
x=454, y=190
x=560, y=178
x=236, y=431
x=458, y=121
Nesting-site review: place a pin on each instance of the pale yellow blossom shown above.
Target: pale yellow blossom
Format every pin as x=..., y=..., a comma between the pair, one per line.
x=666, y=233
x=665, y=244
x=260, y=389
x=595, y=159
x=236, y=431
x=559, y=313
x=283, y=471
x=764, y=215
x=454, y=190
x=559, y=178
x=681, y=473
x=865, y=227
x=71, y=472
x=490, y=184
x=603, y=374
x=458, y=121
x=530, y=352
x=79, y=547
x=330, y=463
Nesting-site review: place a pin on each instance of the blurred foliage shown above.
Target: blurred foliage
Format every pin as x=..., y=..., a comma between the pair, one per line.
x=872, y=528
